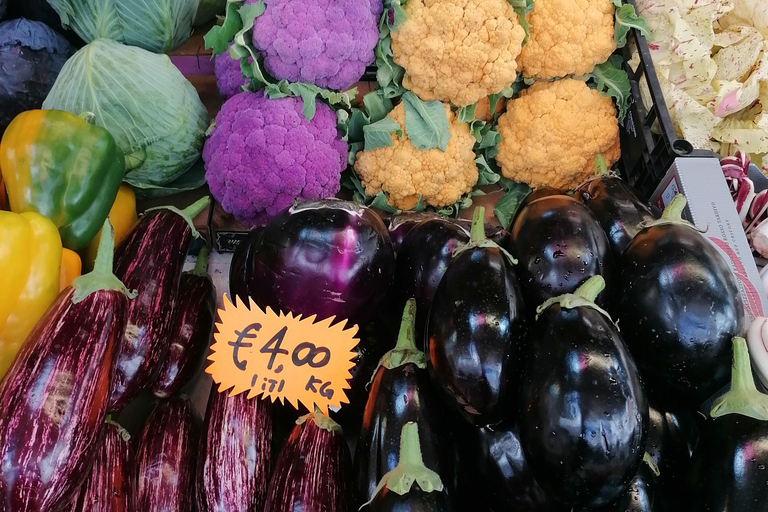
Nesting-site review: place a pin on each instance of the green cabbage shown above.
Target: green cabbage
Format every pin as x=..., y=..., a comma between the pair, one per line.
x=155, y=25
x=151, y=110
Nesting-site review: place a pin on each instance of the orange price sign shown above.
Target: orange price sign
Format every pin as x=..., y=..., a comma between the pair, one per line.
x=283, y=357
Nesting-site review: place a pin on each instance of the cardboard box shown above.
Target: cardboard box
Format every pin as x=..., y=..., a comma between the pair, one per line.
x=711, y=208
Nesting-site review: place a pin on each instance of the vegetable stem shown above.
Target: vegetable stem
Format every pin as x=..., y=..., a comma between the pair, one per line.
x=195, y=208
x=591, y=288
x=674, y=210
x=201, y=265
x=410, y=447
x=321, y=420
x=743, y=397
x=405, y=350
x=406, y=339
x=101, y=277
x=477, y=234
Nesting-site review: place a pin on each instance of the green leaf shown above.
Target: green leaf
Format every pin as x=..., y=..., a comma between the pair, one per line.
x=626, y=20
x=248, y=15
x=339, y=99
x=218, y=38
x=357, y=122
x=523, y=8
x=380, y=202
x=377, y=106
x=342, y=123
x=425, y=123
x=600, y=165
x=308, y=94
x=486, y=175
x=467, y=114
x=507, y=206
x=379, y=134
x=354, y=149
x=612, y=82
x=350, y=181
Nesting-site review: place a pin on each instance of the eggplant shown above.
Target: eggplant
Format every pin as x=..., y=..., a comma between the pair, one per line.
x=584, y=415
x=313, y=471
x=165, y=458
x=559, y=245
x=150, y=260
x=194, y=317
x=411, y=486
x=424, y=255
x=728, y=468
x=239, y=275
x=671, y=438
x=110, y=485
x=679, y=309
x=617, y=208
x=401, y=392
x=327, y=258
x=400, y=225
x=493, y=470
x=54, y=395
x=477, y=330
x=234, y=457
x=642, y=495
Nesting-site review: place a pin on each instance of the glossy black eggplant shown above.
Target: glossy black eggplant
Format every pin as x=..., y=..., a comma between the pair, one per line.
x=327, y=258
x=679, y=308
x=239, y=272
x=477, y=330
x=421, y=262
x=493, y=470
x=617, y=208
x=411, y=486
x=729, y=469
x=671, y=438
x=584, y=414
x=642, y=495
x=401, y=392
x=559, y=245
x=400, y=225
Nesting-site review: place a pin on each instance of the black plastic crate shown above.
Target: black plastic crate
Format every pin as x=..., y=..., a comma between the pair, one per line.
x=647, y=156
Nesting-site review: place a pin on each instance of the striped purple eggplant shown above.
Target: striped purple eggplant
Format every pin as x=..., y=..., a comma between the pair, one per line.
x=234, y=459
x=165, y=458
x=110, y=486
x=313, y=471
x=150, y=261
x=54, y=396
x=191, y=330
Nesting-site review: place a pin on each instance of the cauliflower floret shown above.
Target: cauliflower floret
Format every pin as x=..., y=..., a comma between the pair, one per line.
x=404, y=172
x=229, y=75
x=568, y=37
x=324, y=42
x=264, y=154
x=553, y=132
x=458, y=51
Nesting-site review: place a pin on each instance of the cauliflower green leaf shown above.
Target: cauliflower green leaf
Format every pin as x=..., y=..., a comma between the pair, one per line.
x=523, y=8
x=612, y=82
x=507, y=206
x=217, y=39
x=388, y=74
x=379, y=134
x=426, y=123
x=626, y=20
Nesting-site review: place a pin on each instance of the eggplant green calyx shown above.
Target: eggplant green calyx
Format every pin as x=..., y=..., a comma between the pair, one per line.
x=120, y=430
x=201, y=264
x=321, y=420
x=743, y=397
x=405, y=351
x=477, y=238
x=101, y=278
x=583, y=297
x=673, y=214
x=410, y=467
x=189, y=213
x=651, y=464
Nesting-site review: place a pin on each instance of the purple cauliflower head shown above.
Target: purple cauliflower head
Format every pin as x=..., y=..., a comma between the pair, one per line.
x=229, y=76
x=324, y=42
x=264, y=154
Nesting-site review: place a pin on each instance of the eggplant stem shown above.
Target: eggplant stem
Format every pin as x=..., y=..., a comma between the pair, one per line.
x=101, y=277
x=201, y=264
x=743, y=397
x=405, y=350
x=410, y=468
x=478, y=239
x=406, y=339
x=591, y=288
x=674, y=210
x=651, y=464
x=189, y=213
x=323, y=421
x=583, y=297
x=477, y=232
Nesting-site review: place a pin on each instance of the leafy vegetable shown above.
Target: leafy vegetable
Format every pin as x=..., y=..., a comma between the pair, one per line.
x=151, y=110
x=207, y=10
x=626, y=20
x=507, y=206
x=379, y=134
x=523, y=8
x=155, y=25
x=426, y=123
x=388, y=74
x=612, y=82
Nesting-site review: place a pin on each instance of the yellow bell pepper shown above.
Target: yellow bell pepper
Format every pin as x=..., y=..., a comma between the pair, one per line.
x=30, y=256
x=123, y=218
x=71, y=268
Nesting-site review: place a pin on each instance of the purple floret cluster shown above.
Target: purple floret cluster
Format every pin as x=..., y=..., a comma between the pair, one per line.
x=264, y=154
x=324, y=42
x=229, y=76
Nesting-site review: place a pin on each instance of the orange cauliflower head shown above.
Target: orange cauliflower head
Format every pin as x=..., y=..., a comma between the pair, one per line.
x=568, y=37
x=405, y=172
x=458, y=51
x=553, y=132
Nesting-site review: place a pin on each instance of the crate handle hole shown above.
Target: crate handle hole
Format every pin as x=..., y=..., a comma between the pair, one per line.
x=682, y=147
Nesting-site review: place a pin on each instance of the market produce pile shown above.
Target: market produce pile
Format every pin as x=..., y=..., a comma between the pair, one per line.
x=570, y=350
